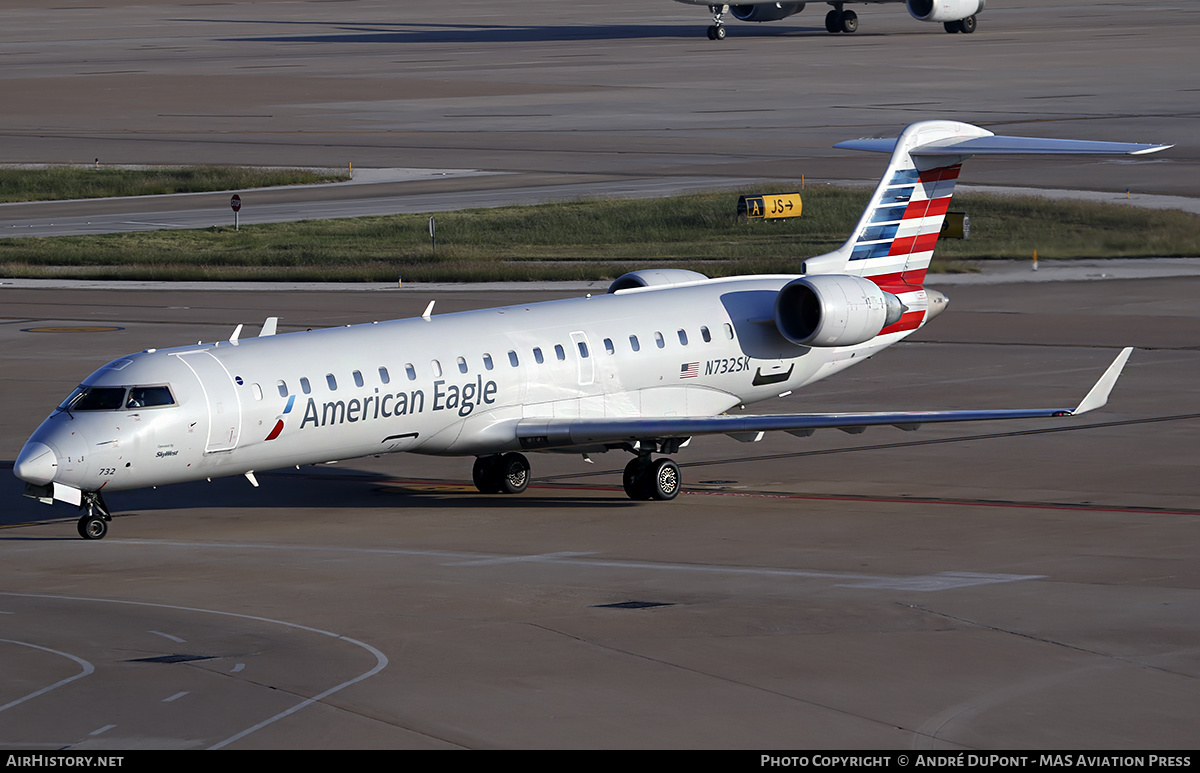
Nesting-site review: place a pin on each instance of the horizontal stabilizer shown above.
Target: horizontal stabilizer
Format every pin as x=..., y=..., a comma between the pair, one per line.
x=995, y=145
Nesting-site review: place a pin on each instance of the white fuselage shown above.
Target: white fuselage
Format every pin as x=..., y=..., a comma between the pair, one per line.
x=643, y=368
x=453, y=384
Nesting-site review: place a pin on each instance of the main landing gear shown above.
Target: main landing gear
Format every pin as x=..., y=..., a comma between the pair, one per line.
x=966, y=25
x=838, y=20
x=644, y=478
x=501, y=473
x=93, y=524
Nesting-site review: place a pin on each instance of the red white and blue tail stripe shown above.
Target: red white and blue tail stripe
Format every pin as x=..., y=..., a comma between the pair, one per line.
x=899, y=232
x=894, y=239
x=893, y=243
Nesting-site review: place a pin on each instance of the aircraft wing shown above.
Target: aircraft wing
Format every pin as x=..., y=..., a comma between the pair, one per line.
x=537, y=434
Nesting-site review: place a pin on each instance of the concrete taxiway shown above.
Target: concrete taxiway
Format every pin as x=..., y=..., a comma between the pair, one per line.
x=570, y=100
x=1026, y=585
x=967, y=587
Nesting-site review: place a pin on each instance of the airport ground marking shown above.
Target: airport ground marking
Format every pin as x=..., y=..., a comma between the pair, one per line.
x=86, y=670
x=381, y=660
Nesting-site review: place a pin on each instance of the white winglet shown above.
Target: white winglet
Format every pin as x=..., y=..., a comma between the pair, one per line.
x=1099, y=394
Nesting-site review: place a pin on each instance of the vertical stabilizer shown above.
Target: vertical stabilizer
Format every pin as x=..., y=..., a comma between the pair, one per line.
x=894, y=239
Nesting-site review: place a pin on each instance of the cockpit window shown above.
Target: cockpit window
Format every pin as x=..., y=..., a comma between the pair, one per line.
x=87, y=398
x=149, y=397
x=90, y=398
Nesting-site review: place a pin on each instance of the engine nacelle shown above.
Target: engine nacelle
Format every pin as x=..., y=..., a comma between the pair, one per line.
x=834, y=310
x=656, y=277
x=944, y=10
x=765, y=12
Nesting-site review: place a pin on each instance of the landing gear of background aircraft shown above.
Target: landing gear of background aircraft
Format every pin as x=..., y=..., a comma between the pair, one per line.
x=93, y=524
x=501, y=473
x=645, y=478
x=838, y=20
x=966, y=25
x=717, y=30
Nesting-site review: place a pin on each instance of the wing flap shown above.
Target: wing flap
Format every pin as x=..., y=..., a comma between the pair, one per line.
x=566, y=433
x=535, y=434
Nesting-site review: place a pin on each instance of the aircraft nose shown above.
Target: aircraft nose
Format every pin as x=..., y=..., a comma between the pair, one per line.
x=36, y=464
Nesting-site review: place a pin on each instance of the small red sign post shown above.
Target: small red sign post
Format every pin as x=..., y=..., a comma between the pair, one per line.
x=235, y=204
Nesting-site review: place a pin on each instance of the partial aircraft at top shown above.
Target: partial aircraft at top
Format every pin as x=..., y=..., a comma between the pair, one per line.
x=659, y=359
x=953, y=15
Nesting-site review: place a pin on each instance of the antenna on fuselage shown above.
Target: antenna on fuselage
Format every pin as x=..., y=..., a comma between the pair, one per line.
x=425, y=315
x=269, y=327
x=237, y=331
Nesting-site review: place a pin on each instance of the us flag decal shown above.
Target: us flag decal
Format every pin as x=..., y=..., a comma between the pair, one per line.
x=689, y=370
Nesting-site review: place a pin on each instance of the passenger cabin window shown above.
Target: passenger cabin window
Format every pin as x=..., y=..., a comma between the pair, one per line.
x=683, y=336
x=729, y=331
x=512, y=358
x=608, y=346
x=658, y=340
x=537, y=355
x=358, y=379
x=305, y=387
x=282, y=387
x=462, y=364
x=410, y=371
x=487, y=362
x=437, y=368
x=560, y=352
x=255, y=388
x=633, y=344
x=331, y=382
x=583, y=350
x=707, y=336
x=384, y=376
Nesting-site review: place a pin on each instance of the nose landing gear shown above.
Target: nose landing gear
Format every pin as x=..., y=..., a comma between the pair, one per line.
x=93, y=524
x=717, y=30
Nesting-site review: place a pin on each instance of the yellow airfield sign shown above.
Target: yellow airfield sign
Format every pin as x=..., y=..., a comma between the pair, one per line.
x=770, y=206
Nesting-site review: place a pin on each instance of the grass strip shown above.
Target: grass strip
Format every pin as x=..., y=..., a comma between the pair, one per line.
x=591, y=240
x=55, y=183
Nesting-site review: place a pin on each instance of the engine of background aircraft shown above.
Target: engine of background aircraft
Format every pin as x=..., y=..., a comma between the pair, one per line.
x=765, y=12
x=655, y=277
x=834, y=310
x=944, y=10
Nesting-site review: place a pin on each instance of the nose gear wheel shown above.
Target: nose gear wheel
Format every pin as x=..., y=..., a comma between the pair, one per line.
x=93, y=524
